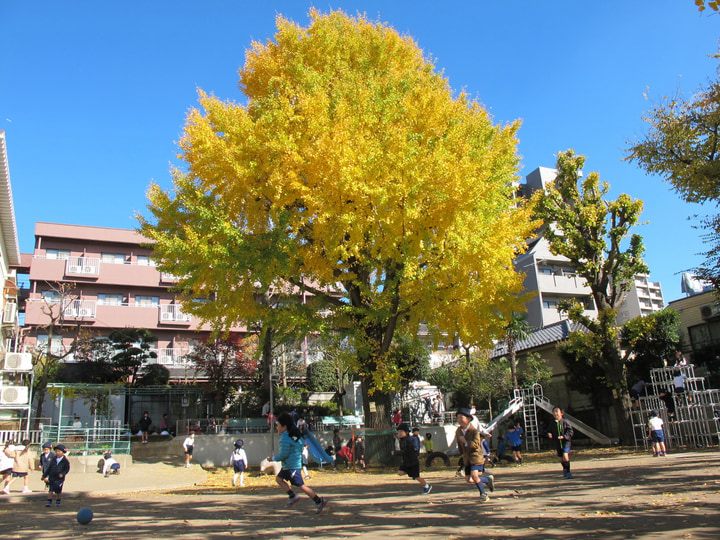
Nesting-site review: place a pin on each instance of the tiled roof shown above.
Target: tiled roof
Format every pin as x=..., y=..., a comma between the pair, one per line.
x=542, y=336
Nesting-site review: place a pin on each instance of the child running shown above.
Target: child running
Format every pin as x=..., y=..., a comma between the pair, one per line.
x=22, y=465
x=469, y=442
x=562, y=436
x=656, y=435
x=290, y=454
x=410, y=461
x=238, y=458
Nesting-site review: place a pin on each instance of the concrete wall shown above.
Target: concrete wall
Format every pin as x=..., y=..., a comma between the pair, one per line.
x=215, y=450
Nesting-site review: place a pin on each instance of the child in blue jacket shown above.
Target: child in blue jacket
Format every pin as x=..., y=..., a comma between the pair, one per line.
x=290, y=455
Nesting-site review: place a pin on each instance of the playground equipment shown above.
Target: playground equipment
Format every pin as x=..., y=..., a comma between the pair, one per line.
x=696, y=419
x=530, y=400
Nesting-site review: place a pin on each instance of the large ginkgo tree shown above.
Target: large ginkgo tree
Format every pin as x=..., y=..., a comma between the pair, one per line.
x=353, y=175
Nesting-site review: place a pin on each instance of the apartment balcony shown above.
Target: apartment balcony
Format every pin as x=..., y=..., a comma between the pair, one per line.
x=74, y=310
x=570, y=284
x=172, y=357
x=82, y=266
x=94, y=270
x=172, y=314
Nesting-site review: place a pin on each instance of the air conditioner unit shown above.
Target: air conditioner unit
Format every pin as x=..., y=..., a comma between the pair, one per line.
x=14, y=395
x=710, y=311
x=88, y=270
x=74, y=269
x=165, y=360
x=10, y=314
x=17, y=362
x=166, y=316
x=70, y=313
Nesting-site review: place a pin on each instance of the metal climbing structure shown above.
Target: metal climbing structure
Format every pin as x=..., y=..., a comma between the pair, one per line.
x=529, y=398
x=695, y=420
x=533, y=399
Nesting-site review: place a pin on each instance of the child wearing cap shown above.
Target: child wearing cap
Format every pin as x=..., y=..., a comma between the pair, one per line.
x=410, y=462
x=45, y=457
x=57, y=472
x=110, y=466
x=656, y=435
x=238, y=459
x=469, y=442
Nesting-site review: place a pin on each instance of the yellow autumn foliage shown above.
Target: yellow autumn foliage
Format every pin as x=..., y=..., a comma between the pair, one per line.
x=351, y=162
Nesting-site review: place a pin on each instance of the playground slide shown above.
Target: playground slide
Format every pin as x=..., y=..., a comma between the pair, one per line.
x=594, y=434
x=317, y=452
x=515, y=405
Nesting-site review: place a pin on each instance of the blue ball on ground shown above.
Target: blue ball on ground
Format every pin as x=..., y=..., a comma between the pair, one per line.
x=84, y=516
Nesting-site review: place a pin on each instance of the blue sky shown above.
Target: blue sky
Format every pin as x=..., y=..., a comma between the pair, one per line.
x=94, y=94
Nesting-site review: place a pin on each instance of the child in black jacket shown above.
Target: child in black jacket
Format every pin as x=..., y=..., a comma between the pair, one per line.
x=410, y=463
x=58, y=468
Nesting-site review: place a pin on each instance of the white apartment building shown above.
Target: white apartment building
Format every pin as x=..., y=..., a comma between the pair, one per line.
x=551, y=278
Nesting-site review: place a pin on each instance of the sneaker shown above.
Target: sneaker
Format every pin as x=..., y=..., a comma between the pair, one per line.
x=491, y=482
x=291, y=502
x=568, y=475
x=460, y=474
x=27, y=490
x=427, y=489
x=57, y=503
x=484, y=498
x=242, y=484
x=233, y=482
x=321, y=505
x=49, y=503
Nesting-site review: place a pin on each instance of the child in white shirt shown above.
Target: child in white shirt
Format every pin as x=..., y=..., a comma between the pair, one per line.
x=238, y=459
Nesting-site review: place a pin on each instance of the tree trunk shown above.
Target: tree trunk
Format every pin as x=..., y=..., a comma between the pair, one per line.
x=617, y=381
x=380, y=416
x=266, y=358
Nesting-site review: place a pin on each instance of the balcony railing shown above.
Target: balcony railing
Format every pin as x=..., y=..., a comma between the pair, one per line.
x=79, y=310
x=82, y=266
x=172, y=356
x=172, y=313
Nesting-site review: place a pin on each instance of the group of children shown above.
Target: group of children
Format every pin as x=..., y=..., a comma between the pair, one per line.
x=17, y=462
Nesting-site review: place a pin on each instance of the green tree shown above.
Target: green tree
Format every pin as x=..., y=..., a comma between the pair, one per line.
x=154, y=375
x=353, y=175
x=650, y=342
x=132, y=348
x=582, y=226
x=516, y=330
x=442, y=377
x=682, y=145
x=535, y=370
x=480, y=380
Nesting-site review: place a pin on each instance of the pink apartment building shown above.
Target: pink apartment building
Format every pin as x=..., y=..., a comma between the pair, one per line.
x=111, y=283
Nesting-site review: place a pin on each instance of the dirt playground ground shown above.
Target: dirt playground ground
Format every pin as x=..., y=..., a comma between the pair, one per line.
x=615, y=495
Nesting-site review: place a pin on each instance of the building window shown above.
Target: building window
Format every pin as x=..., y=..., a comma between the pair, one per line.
x=59, y=254
x=112, y=258
x=147, y=301
x=51, y=297
x=145, y=260
x=550, y=303
x=110, y=299
x=56, y=346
